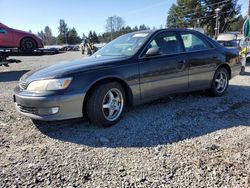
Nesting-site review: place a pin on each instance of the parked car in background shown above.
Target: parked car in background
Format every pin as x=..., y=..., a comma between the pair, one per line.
x=230, y=40
x=66, y=48
x=13, y=38
x=132, y=69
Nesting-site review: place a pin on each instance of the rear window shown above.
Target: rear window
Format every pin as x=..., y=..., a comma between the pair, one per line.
x=193, y=42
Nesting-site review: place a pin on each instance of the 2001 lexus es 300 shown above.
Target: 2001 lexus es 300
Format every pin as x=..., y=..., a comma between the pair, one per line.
x=132, y=69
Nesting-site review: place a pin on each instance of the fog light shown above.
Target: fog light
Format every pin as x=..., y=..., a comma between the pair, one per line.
x=47, y=111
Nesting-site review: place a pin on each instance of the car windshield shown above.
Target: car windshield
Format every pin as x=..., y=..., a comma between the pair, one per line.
x=126, y=45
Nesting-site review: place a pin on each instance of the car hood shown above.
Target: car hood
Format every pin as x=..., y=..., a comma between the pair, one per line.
x=66, y=68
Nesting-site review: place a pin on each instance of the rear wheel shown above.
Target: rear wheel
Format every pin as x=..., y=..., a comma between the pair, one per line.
x=28, y=45
x=220, y=82
x=106, y=104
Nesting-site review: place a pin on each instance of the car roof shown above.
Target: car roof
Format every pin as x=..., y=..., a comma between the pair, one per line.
x=2, y=25
x=166, y=29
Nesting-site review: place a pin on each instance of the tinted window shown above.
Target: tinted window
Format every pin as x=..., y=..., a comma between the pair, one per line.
x=3, y=31
x=168, y=44
x=193, y=42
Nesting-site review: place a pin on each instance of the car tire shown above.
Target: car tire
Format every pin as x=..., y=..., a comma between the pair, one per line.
x=28, y=45
x=106, y=103
x=220, y=82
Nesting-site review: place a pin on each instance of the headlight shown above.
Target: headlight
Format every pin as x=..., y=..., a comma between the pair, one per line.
x=49, y=85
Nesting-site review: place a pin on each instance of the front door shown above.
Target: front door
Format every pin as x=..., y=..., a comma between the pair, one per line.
x=165, y=73
x=5, y=38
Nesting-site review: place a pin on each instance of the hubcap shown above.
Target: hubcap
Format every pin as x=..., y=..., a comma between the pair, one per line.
x=112, y=104
x=28, y=44
x=221, y=82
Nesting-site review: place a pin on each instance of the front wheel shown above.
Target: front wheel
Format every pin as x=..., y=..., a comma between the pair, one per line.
x=106, y=104
x=28, y=45
x=220, y=82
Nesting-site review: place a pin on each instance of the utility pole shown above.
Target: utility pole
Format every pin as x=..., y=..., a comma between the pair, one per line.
x=217, y=24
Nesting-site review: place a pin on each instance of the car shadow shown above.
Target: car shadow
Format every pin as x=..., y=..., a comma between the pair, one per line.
x=12, y=75
x=245, y=74
x=161, y=122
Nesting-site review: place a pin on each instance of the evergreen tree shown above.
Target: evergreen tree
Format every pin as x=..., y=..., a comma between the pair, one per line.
x=63, y=31
x=95, y=38
x=90, y=37
x=238, y=25
x=48, y=36
x=196, y=13
x=73, y=37
x=41, y=35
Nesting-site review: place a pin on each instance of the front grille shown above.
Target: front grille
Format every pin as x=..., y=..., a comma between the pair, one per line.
x=25, y=109
x=23, y=85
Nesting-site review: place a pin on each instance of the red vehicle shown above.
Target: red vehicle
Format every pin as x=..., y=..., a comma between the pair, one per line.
x=13, y=38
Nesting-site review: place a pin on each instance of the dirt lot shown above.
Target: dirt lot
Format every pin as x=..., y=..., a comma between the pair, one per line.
x=189, y=140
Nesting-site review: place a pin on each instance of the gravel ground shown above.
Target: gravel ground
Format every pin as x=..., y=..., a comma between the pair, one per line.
x=189, y=140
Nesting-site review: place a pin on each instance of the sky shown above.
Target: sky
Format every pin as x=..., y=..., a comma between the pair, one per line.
x=84, y=15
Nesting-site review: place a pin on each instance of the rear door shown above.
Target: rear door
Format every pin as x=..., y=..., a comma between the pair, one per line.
x=164, y=73
x=202, y=60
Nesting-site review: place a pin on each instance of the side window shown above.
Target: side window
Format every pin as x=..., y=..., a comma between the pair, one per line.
x=168, y=43
x=3, y=30
x=194, y=43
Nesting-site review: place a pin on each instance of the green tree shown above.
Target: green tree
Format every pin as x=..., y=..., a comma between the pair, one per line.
x=196, y=13
x=183, y=14
x=48, y=36
x=238, y=25
x=90, y=36
x=63, y=31
x=41, y=35
x=143, y=27
x=95, y=37
x=229, y=13
x=73, y=37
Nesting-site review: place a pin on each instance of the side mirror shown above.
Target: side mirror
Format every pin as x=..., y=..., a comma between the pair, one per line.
x=153, y=52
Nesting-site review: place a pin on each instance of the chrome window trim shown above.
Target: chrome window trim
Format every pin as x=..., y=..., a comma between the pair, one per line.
x=141, y=56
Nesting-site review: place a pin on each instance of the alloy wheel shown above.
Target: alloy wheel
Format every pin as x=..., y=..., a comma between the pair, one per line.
x=221, y=82
x=113, y=104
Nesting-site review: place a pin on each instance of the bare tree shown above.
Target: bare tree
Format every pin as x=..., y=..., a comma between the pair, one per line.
x=114, y=23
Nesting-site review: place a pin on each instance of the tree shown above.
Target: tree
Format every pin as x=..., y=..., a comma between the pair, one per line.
x=90, y=36
x=95, y=38
x=143, y=27
x=63, y=31
x=41, y=35
x=196, y=13
x=182, y=14
x=48, y=36
x=73, y=37
x=229, y=13
x=114, y=24
x=238, y=25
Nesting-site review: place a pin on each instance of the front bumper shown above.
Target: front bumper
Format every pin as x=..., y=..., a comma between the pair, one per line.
x=69, y=106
